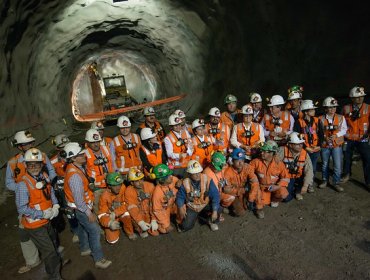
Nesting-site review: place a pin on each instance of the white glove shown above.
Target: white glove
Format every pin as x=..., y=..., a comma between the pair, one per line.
x=144, y=226
x=47, y=214
x=112, y=216
x=55, y=210
x=154, y=225
x=114, y=225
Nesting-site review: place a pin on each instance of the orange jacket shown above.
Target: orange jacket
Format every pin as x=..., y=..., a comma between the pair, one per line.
x=193, y=201
x=110, y=202
x=158, y=128
x=88, y=194
x=127, y=154
x=19, y=168
x=37, y=200
x=249, y=137
x=273, y=174
x=283, y=121
x=238, y=181
x=97, y=170
x=227, y=119
x=331, y=129
x=59, y=165
x=217, y=177
x=299, y=165
x=357, y=127
x=139, y=202
x=179, y=147
x=154, y=157
x=202, y=150
x=310, y=133
x=221, y=134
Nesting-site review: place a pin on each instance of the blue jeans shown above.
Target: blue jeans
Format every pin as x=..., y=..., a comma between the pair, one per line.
x=363, y=149
x=336, y=154
x=314, y=157
x=89, y=236
x=294, y=186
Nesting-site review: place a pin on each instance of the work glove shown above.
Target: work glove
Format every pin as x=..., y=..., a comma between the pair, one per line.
x=154, y=225
x=143, y=225
x=47, y=214
x=55, y=210
x=114, y=225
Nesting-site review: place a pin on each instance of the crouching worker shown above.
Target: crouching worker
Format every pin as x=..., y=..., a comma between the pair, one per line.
x=164, y=197
x=299, y=166
x=37, y=205
x=138, y=198
x=113, y=210
x=197, y=196
x=273, y=179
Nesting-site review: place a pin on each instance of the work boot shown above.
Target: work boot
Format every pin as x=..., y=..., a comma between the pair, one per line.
x=213, y=226
x=86, y=253
x=298, y=196
x=225, y=210
x=144, y=234
x=132, y=236
x=103, y=263
x=323, y=184
x=75, y=239
x=310, y=189
x=338, y=188
x=274, y=204
x=260, y=214
x=60, y=249
x=344, y=179
x=27, y=267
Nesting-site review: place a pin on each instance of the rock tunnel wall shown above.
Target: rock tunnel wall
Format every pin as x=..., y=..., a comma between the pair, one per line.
x=203, y=48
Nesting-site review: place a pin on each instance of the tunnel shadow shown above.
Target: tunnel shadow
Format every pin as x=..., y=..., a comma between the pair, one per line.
x=364, y=245
x=247, y=269
x=88, y=275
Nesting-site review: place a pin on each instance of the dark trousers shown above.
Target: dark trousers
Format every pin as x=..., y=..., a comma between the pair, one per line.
x=314, y=157
x=363, y=149
x=191, y=217
x=294, y=186
x=45, y=240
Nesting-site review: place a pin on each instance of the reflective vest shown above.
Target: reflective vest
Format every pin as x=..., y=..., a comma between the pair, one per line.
x=218, y=177
x=310, y=132
x=154, y=157
x=228, y=120
x=332, y=129
x=88, y=194
x=283, y=121
x=127, y=153
x=59, y=165
x=139, y=202
x=202, y=149
x=273, y=174
x=179, y=147
x=98, y=167
x=197, y=199
x=221, y=134
x=157, y=128
x=38, y=199
x=294, y=165
x=358, y=123
x=248, y=137
x=18, y=166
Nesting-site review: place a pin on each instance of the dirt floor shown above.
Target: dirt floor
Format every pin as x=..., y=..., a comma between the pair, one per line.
x=325, y=236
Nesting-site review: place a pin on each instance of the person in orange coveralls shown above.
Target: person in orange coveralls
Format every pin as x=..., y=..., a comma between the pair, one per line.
x=164, y=196
x=202, y=144
x=273, y=179
x=138, y=198
x=113, y=210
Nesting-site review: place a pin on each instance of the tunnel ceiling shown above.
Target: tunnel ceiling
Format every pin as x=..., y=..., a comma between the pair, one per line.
x=202, y=48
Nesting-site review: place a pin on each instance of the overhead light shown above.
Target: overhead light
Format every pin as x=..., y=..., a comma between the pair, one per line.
x=115, y=1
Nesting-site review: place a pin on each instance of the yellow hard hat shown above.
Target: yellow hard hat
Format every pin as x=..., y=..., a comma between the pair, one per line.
x=135, y=174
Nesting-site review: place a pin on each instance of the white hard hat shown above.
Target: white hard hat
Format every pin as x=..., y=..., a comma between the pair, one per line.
x=295, y=138
x=174, y=120
x=123, y=122
x=22, y=137
x=357, y=92
x=294, y=95
x=194, y=167
x=149, y=111
x=214, y=112
x=276, y=100
x=255, y=97
x=147, y=133
x=196, y=123
x=97, y=125
x=330, y=102
x=33, y=154
x=60, y=140
x=180, y=114
x=247, y=110
x=92, y=135
x=307, y=105
x=73, y=149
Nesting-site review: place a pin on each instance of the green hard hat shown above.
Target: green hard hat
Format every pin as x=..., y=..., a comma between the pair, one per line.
x=161, y=171
x=114, y=179
x=270, y=146
x=218, y=160
x=230, y=98
x=295, y=88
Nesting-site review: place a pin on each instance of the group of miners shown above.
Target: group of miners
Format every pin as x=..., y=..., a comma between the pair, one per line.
x=152, y=181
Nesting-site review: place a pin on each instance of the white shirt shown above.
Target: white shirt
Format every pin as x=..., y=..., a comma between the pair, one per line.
x=234, y=141
x=169, y=147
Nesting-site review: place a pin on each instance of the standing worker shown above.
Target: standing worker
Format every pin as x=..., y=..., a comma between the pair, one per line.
x=152, y=123
x=231, y=115
x=202, y=144
x=218, y=130
x=258, y=111
x=99, y=126
x=294, y=102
